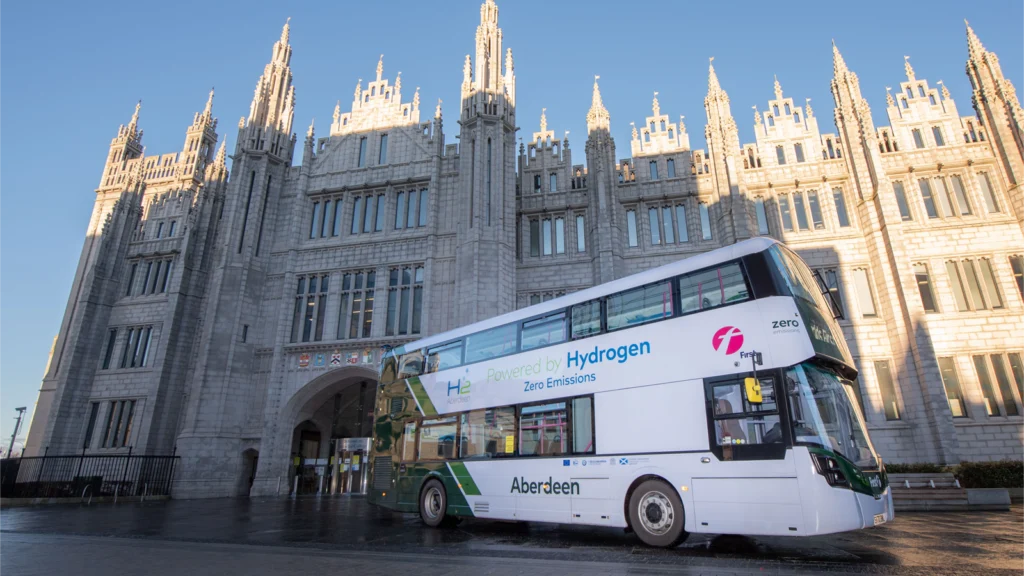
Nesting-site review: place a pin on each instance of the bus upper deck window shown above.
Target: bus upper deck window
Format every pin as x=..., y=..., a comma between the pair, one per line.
x=640, y=305
x=444, y=357
x=410, y=364
x=712, y=288
x=491, y=343
x=586, y=319
x=544, y=331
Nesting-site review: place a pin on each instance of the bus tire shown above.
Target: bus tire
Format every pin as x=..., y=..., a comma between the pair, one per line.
x=656, y=514
x=433, y=503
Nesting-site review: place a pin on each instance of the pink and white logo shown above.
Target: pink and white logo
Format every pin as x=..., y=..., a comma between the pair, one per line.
x=731, y=336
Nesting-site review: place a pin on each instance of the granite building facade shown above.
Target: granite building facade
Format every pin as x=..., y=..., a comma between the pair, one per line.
x=233, y=318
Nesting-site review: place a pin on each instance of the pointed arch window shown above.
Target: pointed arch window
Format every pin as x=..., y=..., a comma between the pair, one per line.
x=654, y=170
x=799, y=149
x=771, y=120
x=647, y=136
x=652, y=125
x=937, y=134
x=787, y=110
x=662, y=125
x=920, y=91
x=904, y=101
x=918, y=139
x=780, y=155
x=670, y=134
x=775, y=109
x=796, y=117
x=910, y=92
x=931, y=99
x=671, y=172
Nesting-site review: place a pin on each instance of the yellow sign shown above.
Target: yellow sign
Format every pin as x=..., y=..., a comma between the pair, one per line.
x=753, y=390
x=355, y=459
x=296, y=460
x=510, y=444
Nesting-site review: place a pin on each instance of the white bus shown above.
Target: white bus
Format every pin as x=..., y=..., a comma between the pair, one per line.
x=714, y=394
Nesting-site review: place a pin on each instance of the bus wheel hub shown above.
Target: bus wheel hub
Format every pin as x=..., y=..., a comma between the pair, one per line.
x=656, y=513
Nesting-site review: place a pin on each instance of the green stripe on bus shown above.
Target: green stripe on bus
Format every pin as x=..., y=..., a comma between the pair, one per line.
x=426, y=406
x=464, y=479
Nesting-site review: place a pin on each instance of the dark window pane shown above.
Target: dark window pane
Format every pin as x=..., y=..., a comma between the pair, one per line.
x=840, y=201
x=492, y=343
x=901, y=200
x=812, y=201
x=987, y=391
x=543, y=430
x=1003, y=379
x=924, y=286
x=586, y=318
x=951, y=382
x=712, y=288
x=787, y=219
x=801, y=214
x=639, y=305
x=886, y=387
x=544, y=332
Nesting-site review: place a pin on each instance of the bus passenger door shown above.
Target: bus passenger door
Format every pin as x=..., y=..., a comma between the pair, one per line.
x=748, y=484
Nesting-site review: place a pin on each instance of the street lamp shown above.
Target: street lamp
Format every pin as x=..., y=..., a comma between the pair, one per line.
x=17, y=425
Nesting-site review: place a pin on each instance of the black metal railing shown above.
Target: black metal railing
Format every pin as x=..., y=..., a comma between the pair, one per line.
x=92, y=475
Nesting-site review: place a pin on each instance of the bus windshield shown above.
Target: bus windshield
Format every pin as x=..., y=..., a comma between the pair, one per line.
x=824, y=413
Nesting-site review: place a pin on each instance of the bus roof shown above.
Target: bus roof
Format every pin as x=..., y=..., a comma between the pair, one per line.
x=676, y=268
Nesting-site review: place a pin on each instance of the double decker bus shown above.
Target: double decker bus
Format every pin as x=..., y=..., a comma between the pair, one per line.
x=714, y=394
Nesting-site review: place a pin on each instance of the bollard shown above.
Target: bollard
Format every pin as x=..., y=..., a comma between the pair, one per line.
x=906, y=483
x=295, y=486
x=931, y=483
x=956, y=482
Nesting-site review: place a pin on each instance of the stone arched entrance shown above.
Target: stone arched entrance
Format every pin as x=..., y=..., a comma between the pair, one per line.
x=306, y=434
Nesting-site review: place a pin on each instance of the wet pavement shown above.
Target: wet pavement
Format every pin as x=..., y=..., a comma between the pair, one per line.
x=346, y=533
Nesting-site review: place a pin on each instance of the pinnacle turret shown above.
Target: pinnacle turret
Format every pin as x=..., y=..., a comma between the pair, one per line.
x=974, y=46
x=598, y=116
x=713, y=85
x=908, y=68
x=838, y=64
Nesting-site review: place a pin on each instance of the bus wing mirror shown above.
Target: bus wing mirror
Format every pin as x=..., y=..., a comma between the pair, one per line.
x=753, y=388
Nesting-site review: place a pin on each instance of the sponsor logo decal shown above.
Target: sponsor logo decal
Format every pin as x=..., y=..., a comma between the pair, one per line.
x=565, y=462
x=522, y=486
x=728, y=339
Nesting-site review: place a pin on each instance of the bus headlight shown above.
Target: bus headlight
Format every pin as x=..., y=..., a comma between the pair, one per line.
x=828, y=467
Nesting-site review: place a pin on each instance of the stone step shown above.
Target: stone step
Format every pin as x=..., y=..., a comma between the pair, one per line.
x=929, y=495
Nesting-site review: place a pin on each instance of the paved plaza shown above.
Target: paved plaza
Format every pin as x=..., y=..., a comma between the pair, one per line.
x=329, y=535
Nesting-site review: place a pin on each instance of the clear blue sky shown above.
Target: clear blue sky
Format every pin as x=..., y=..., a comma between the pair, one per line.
x=73, y=71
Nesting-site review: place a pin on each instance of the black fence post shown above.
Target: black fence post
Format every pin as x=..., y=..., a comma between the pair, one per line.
x=170, y=475
x=124, y=477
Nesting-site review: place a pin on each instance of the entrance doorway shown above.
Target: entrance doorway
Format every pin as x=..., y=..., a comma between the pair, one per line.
x=330, y=447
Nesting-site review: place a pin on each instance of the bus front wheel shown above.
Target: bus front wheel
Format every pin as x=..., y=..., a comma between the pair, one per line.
x=433, y=503
x=656, y=514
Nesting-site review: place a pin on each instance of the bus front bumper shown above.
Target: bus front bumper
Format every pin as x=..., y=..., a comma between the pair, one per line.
x=875, y=511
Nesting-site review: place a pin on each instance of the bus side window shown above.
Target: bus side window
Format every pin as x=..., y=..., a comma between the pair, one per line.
x=488, y=433
x=542, y=430
x=444, y=357
x=583, y=425
x=437, y=439
x=640, y=305
x=544, y=331
x=712, y=288
x=738, y=422
x=409, y=442
x=586, y=319
x=410, y=364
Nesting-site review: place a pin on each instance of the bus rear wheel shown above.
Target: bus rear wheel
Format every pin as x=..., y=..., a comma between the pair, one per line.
x=433, y=503
x=656, y=514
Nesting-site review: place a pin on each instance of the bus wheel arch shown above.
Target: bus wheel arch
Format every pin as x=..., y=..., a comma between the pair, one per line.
x=656, y=484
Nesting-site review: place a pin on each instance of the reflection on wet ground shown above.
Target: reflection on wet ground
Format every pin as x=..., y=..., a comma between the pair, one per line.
x=922, y=543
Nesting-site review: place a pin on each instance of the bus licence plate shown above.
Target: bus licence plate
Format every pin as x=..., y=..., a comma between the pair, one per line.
x=879, y=519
